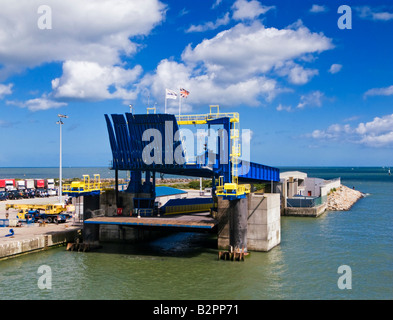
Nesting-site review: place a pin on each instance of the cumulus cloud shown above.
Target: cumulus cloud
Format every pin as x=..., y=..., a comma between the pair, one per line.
x=246, y=50
x=379, y=92
x=318, y=8
x=237, y=65
x=296, y=74
x=313, y=99
x=210, y=25
x=376, y=14
x=90, y=81
x=38, y=104
x=81, y=30
x=245, y=10
x=335, y=68
x=5, y=90
x=204, y=89
x=375, y=133
x=90, y=38
x=284, y=108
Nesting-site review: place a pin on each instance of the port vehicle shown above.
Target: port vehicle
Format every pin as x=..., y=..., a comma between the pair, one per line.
x=30, y=193
x=45, y=212
x=29, y=183
x=38, y=216
x=39, y=183
x=3, y=195
x=15, y=195
x=9, y=184
x=50, y=187
x=41, y=193
x=21, y=185
x=2, y=184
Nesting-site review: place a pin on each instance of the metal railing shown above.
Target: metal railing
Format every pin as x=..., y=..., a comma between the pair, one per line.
x=204, y=118
x=305, y=202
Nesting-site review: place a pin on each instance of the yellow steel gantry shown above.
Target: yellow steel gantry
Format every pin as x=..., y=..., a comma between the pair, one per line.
x=233, y=188
x=84, y=186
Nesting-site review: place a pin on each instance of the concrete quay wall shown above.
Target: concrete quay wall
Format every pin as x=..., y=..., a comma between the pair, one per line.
x=306, y=212
x=10, y=247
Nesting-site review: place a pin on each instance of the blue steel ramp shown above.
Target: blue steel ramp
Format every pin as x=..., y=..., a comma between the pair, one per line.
x=126, y=137
x=251, y=172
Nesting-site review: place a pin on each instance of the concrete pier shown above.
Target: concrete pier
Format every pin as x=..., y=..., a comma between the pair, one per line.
x=249, y=224
x=264, y=222
x=263, y=228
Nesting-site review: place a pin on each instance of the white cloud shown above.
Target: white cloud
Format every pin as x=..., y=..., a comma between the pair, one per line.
x=284, y=108
x=216, y=4
x=239, y=65
x=318, y=8
x=375, y=133
x=89, y=37
x=244, y=10
x=90, y=81
x=5, y=89
x=246, y=50
x=38, y=104
x=376, y=14
x=335, y=68
x=296, y=73
x=204, y=89
x=89, y=30
x=210, y=25
x=379, y=92
x=313, y=99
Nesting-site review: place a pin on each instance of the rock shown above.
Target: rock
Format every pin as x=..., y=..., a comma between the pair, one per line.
x=343, y=199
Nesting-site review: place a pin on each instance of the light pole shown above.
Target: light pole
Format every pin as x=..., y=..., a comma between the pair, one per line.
x=60, y=166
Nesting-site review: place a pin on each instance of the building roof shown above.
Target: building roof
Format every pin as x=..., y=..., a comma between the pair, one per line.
x=164, y=191
x=293, y=174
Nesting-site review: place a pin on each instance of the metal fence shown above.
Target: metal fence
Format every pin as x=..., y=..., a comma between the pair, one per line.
x=305, y=202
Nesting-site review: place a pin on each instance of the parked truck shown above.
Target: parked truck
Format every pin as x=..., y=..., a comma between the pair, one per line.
x=39, y=183
x=46, y=212
x=2, y=184
x=21, y=185
x=37, y=216
x=50, y=186
x=10, y=184
x=29, y=183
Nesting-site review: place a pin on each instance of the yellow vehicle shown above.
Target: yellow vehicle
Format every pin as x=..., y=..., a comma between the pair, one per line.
x=47, y=209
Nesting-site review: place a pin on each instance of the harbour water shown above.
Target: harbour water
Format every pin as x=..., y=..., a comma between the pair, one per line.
x=185, y=265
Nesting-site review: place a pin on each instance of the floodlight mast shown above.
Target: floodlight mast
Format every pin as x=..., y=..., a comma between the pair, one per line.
x=60, y=122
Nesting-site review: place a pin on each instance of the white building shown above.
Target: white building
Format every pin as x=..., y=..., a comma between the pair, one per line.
x=296, y=183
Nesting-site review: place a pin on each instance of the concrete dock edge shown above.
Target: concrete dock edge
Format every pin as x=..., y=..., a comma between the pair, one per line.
x=38, y=242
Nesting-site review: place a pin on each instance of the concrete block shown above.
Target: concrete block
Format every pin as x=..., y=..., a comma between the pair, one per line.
x=257, y=245
x=257, y=232
x=264, y=224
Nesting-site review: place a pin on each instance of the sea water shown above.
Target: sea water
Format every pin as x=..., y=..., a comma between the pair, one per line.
x=185, y=266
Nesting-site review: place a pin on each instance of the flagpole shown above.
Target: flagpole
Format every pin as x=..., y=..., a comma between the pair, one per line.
x=165, y=102
x=179, y=102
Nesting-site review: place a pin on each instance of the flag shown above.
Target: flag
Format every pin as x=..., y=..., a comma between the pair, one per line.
x=170, y=94
x=184, y=93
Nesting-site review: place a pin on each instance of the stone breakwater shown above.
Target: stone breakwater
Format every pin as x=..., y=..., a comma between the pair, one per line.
x=343, y=199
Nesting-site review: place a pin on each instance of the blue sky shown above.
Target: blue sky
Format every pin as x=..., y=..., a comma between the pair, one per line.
x=312, y=94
